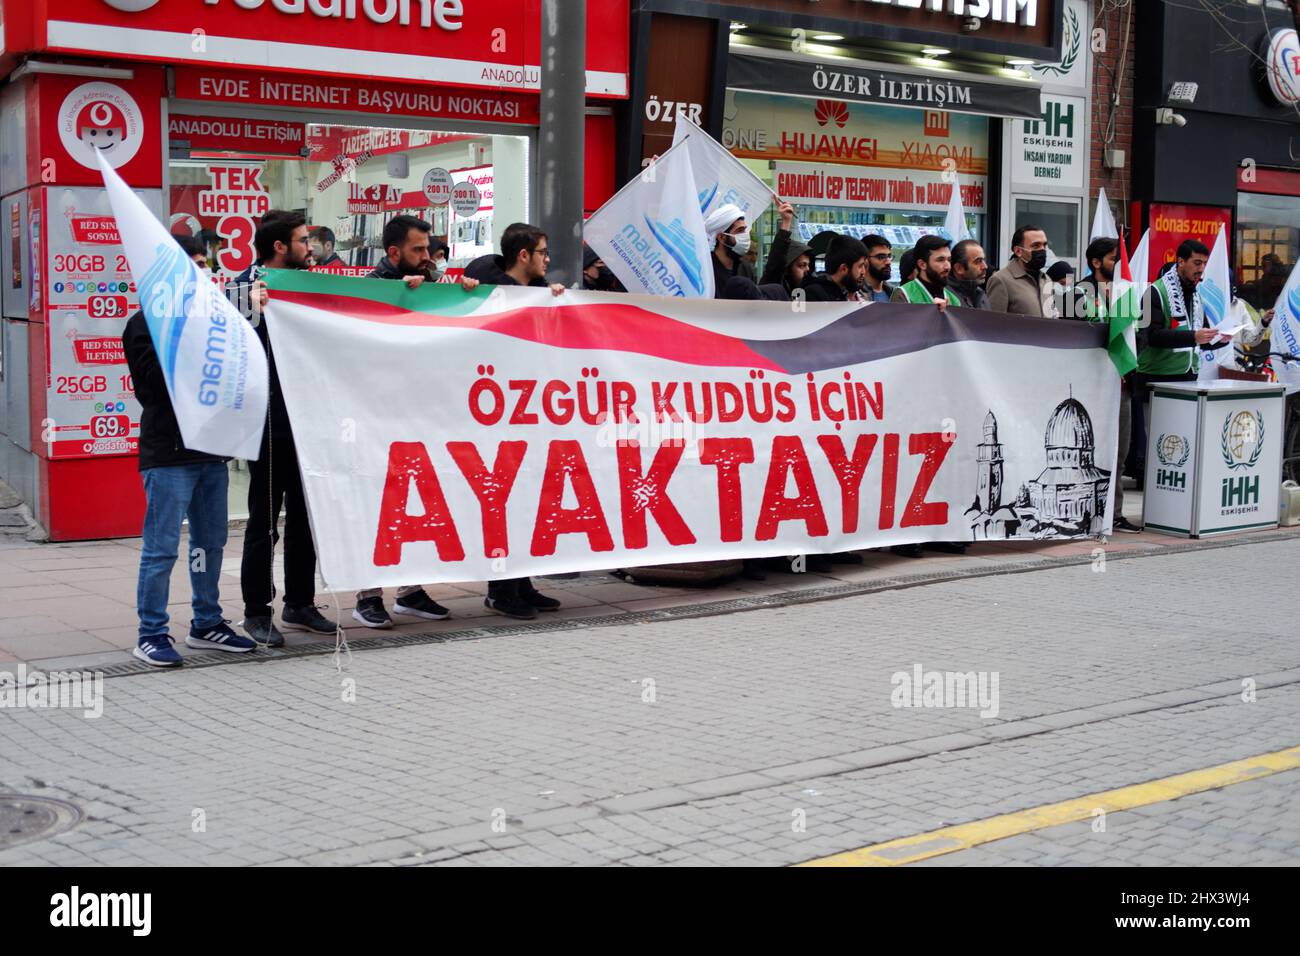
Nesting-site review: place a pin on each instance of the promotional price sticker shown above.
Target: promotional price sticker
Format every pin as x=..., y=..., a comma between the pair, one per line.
x=437, y=186
x=465, y=199
x=90, y=399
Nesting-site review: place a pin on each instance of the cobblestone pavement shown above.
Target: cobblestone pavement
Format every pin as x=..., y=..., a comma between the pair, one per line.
x=763, y=737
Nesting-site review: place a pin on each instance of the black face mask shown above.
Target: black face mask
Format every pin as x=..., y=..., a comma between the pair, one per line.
x=1037, y=260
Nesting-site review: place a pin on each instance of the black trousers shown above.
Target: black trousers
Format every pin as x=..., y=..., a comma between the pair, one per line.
x=1141, y=397
x=511, y=589
x=274, y=483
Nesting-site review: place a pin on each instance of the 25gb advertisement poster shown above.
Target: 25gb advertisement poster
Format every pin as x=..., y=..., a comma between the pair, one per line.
x=90, y=402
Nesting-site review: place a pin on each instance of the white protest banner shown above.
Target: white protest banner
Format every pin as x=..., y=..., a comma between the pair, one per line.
x=215, y=367
x=594, y=430
x=651, y=233
x=720, y=177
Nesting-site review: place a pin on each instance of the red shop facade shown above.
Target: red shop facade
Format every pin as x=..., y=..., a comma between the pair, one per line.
x=350, y=111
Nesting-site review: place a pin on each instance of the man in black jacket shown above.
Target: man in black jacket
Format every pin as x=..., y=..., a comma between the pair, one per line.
x=406, y=257
x=178, y=483
x=523, y=261
x=274, y=479
x=846, y=271
x=788, y=261
x=969, y=267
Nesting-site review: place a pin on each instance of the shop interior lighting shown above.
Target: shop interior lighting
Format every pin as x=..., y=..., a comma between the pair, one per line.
x=1019, y=62
x=735, y=27
x=827, y=36
x=935, y=51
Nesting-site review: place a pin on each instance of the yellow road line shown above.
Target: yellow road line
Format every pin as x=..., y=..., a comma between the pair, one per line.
x=966, y=835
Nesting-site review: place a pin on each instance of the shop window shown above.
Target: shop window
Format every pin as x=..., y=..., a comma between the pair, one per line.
x=858, y=168
x=1058, y=218
x=348, y=181
x=1268, y=239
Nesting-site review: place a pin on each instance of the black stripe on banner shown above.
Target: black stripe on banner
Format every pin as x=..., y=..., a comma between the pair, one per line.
x=886, y=329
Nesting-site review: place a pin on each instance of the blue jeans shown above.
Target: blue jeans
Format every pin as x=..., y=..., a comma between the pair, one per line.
x=173, y=493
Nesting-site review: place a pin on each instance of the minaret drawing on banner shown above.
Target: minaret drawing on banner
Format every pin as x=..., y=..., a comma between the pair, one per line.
x=1068, y=497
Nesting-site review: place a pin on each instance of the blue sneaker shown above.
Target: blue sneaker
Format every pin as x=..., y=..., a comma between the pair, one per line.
x=219, y=638
x=158, y=652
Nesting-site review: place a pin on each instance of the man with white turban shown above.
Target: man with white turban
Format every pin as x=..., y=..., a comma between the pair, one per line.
x=729, y=234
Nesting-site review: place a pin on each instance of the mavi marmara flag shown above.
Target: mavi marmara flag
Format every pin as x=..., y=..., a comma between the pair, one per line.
x=214, y=366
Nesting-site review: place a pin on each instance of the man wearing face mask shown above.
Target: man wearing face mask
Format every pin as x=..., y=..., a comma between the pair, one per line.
x=1022, y=287
x=930, y=287
x=438, y=252
x=596, y=276
x=727, y=228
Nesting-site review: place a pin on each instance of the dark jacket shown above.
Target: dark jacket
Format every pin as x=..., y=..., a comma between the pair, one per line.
x=780, y=257
x=721, y=273
x=490, y=270
x=239, y=292
x=821, y=288
x=970, y=292
x=386, y=270
x=160, y=436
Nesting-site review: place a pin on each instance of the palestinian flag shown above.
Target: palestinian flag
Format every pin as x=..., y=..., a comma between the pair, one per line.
x=1126, y=306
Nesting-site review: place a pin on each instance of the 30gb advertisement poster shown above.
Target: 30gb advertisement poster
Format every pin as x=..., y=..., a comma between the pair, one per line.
x=91, y=409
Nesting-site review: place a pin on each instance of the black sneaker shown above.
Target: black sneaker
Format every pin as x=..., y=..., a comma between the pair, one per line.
x=517, y=608
x=306, y=618
x=1128, y=527
x=263, y=631
x=947, y=547
x=907, y=550
x=536, y=599
x=370, y=612
x=419, y=604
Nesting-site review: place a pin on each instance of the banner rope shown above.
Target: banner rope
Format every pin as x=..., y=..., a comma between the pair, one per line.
x=340, y=638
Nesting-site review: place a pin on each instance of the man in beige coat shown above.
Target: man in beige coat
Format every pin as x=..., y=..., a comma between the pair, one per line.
x=1022, y=287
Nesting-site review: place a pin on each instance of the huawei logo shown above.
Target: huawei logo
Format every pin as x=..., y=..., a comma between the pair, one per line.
x=131, y=6
x=827, y=110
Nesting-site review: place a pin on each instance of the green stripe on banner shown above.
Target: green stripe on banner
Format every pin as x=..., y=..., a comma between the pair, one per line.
x=439, y=298
x=1176, y=396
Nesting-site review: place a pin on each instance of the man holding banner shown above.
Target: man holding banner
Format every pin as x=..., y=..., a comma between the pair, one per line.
x=274, y=479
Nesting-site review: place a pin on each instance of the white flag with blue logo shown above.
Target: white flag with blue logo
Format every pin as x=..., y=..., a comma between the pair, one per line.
x=721, y=178
x=1286, y=332
x=651, y=232
x=214, y=365
x=1215, y=293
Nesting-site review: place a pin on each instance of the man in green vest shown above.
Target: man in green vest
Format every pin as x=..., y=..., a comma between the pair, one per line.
x=1171, y=333
x=930, y=287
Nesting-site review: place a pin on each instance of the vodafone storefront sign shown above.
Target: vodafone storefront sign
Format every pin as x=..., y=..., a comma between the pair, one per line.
x=475, y=43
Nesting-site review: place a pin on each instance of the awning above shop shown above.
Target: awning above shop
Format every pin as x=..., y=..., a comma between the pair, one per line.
x=861, y=81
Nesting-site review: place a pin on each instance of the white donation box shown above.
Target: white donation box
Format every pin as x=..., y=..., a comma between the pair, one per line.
x=1214, y=457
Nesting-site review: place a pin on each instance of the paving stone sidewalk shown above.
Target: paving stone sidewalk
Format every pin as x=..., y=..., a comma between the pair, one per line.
x=763, y=737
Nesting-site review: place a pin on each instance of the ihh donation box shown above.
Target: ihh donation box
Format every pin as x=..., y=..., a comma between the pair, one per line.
x=1214, y=457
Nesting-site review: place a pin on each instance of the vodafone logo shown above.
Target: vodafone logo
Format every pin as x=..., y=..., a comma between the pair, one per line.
x=100, y=117
x=1283, y=66
x=131, y=6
